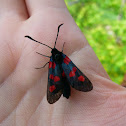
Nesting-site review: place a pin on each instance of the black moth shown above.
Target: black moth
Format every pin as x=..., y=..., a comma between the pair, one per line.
x=63, y=73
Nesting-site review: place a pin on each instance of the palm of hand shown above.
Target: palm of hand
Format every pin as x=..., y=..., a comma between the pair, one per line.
x=23, y=88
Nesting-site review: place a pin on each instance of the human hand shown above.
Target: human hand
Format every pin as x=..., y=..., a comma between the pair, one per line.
x=23, y=88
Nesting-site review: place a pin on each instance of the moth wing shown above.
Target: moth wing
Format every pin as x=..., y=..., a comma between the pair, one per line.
x=75, y=77
x=55, y=84
x=53, y=97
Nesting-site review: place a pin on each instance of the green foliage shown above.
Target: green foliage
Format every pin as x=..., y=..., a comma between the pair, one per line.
x=104, y=25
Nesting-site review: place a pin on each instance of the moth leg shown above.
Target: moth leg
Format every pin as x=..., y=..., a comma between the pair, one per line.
x=42, y=66
x=63, y=47
x=42, y=55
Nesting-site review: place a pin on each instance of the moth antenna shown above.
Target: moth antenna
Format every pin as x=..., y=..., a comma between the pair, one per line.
x=63, y=47
x=57, y=34
x=37, y=41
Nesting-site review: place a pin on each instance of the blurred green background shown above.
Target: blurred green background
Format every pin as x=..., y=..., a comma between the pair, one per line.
x=104, y=25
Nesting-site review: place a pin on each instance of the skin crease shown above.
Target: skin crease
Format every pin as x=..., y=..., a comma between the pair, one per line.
x=23, y=88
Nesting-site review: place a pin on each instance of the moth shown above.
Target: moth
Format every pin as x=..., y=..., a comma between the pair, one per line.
x=62, y=74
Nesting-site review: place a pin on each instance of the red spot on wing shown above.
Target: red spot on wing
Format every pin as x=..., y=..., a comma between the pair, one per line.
x=51, y=76
x=63, y=74
x=56, y=78
x=81, y=78
x=72, y=74
x=52, y=88
x=66, y=60
x=50, y=64
x=74, y=69
x=53, y=65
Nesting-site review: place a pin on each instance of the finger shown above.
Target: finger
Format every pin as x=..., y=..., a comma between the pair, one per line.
x=34, y=6
x=13, y=8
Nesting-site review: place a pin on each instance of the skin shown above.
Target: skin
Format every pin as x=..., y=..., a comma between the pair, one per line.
x=23, y=88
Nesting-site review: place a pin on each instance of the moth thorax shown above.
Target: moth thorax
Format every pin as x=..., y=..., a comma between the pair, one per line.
x=57, y=56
